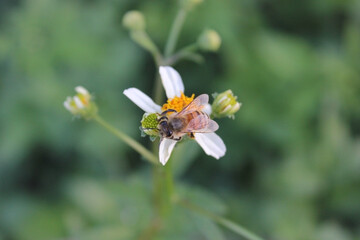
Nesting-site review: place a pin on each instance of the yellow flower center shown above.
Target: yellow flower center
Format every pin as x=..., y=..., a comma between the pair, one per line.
x=85, y=99
x=177, y=103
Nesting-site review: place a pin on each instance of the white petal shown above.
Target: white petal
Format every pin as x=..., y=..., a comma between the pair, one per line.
x=67, y=103
x=222, y=99
x=78, y=102
x=165, y=149
x=171, y=81
x=82, y=90
x=211, y=143
x=226, y=108
x=142, y=100
x=207, y=109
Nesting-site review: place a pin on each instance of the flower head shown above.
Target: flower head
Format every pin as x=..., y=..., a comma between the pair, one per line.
x=211, y=143
x=225, y=105
x=81, y=104
x=134, y=20
x=209, y=40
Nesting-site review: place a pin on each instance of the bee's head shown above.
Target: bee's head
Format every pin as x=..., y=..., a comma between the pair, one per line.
x=165, y=130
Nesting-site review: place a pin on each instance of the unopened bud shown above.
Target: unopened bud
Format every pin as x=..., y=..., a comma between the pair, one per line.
x=225, y=105
x=134, y=20
x=209, y=40
x=149, y=124
x=81, y=104
x=190, y=4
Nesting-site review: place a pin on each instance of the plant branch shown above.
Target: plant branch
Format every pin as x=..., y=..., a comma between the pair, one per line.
x=175, y=31
x=142, y=38
x=128, y=140
x=188, y=52
x=158, y=89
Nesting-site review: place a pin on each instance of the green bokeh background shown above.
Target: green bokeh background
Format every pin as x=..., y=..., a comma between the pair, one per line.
x=292, y=168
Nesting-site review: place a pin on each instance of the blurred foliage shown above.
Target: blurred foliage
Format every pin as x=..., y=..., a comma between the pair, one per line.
x=292, y=166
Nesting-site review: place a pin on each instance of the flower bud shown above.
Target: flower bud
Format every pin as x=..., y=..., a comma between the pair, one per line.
x=149, y=124
x=134, y=20
x=189, y=4
x=209, y=40
x=225, y=105
x=81, y=104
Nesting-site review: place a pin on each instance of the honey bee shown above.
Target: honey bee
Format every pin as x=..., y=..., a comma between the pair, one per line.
x=190, y=120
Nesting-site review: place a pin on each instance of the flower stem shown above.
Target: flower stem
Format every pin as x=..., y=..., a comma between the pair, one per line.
x=162, y=199
x=169, y=49
x=175, y=31
x=169, y=180
x=220, y=220
x=188, y=49
x=143, y=39
x=186, y=52
x=158, y=90
x=128, y=140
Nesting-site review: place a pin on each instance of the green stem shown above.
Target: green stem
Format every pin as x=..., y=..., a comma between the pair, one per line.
x=190, y=48
x=158, y=89
x=169, y=180
x=220, y=220
x=150, y=232
x=162, y=199
x=188, y=51
x=175, y=31
x=128, y=140
x=143, y=39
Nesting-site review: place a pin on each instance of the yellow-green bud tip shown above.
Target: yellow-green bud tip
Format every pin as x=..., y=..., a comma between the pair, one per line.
x=225, y=105
x=209, y=40
x=149, y=124
x=189, y=4
x=134, y=20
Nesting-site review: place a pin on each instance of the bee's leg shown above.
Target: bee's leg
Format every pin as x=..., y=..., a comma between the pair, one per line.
x=191, y=135
x=178, y=139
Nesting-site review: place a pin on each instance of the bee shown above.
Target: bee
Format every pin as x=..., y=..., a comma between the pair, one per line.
x=190, y=120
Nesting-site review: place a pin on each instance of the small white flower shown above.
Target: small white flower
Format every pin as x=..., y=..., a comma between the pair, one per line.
x=225, y=104
x=81, y=104
x=211, y=143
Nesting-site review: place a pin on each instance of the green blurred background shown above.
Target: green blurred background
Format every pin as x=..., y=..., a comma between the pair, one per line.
x=292, y=168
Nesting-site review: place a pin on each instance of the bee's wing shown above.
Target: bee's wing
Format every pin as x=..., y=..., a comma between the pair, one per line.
x=196, y=105
x=202, y=124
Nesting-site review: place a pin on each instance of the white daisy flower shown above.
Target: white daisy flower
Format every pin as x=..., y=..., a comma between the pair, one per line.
x=211, y=143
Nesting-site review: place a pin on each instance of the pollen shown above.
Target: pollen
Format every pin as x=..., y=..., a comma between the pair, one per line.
x=177, y=103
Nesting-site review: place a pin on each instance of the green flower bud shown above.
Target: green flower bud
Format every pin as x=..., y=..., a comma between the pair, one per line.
x=81, y=105
x=189, y=4
x=209, y=40
x=134, y=20
x=149, y=124
x=225, y=105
